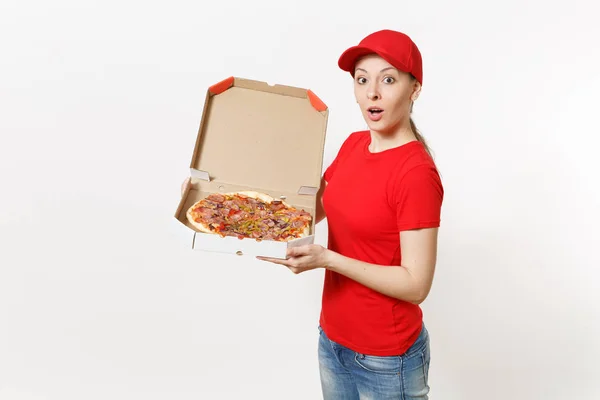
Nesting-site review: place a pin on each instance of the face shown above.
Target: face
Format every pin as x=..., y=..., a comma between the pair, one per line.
x=384, y=94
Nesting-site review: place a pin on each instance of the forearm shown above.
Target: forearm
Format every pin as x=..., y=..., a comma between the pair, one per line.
x=393, y=281
x=319, y=218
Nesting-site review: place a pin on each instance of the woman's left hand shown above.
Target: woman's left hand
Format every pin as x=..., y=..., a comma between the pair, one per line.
x=302, y=258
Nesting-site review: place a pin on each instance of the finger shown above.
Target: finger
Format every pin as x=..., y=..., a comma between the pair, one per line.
x=274, y=260
x=295, y=270
x=185, y=184
x=297, y=251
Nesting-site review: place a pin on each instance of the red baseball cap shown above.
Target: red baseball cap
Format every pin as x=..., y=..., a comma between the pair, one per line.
x=395, y=47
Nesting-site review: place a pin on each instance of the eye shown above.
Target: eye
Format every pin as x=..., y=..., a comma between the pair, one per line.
x=361, y=80
x=388, y=79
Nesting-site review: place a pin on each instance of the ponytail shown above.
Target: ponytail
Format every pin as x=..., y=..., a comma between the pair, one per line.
x=419, y=137
x=414, y=129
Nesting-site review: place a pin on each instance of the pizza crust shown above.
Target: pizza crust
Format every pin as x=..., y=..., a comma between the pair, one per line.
x=260, y=196
x=255, y=195
x=198, y=225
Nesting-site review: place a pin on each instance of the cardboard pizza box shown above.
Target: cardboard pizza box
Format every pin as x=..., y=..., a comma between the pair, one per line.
x=260, y=137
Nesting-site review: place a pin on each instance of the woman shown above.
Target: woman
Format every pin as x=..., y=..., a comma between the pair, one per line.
x=382, y=197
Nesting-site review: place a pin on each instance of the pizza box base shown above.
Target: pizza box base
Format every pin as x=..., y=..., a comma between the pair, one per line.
x=197, y=190
x=246, y=247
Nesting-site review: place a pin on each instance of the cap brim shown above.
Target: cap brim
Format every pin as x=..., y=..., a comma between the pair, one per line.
x=348, y=58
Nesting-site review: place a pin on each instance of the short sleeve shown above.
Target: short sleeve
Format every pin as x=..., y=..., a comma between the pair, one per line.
x=418, y=197
x=330, y=170
x=342, y=152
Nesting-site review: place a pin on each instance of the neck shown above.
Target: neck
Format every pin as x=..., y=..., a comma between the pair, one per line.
x=381, y=141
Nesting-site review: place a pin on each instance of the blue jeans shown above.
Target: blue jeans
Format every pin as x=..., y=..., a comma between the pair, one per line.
x=348, y=375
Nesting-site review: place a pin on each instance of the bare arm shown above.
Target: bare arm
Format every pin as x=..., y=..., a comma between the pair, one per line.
x=410, y=282
x=320, y=211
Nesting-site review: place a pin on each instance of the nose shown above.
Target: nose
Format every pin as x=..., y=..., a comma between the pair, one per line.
x=373, y=93
x=372, y=96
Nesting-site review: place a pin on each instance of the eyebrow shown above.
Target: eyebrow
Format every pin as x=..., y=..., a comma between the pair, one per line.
x=385, y=69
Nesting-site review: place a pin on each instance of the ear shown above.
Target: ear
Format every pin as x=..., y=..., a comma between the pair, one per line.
x=416, y=91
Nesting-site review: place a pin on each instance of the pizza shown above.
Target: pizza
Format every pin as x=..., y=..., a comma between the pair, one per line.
x=249, y=214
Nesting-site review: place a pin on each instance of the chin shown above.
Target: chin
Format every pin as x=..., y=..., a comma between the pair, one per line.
x=379, y=127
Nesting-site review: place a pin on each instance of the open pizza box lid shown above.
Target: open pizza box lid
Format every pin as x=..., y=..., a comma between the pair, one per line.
x=259, y=137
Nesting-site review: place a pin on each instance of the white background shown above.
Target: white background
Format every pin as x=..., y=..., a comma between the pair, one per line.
x=100, y=294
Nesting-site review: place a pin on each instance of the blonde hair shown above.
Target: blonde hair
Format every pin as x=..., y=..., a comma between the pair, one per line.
x=420, y=137
x=415, y=131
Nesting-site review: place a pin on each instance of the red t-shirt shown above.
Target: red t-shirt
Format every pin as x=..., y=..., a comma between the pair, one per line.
x=369, y=199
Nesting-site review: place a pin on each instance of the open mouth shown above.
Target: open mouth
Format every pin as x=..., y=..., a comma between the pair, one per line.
x=374, y=110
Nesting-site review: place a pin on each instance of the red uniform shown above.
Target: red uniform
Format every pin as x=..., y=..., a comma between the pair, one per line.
x=369, y=199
